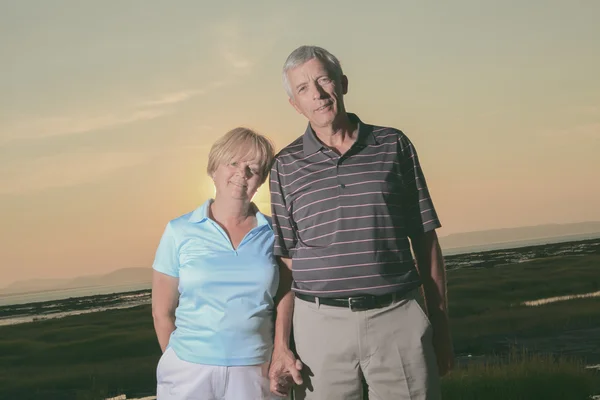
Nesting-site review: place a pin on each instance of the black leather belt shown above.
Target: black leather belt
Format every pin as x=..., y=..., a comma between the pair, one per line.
x=357, y=303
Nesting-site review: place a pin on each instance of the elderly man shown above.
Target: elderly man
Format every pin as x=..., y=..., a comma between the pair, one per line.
x=348, y=201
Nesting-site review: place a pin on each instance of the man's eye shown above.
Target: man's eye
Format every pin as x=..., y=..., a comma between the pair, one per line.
x=234, y=163
x=302, y=89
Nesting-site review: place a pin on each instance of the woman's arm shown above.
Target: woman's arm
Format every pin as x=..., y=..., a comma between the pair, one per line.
x=165, y=297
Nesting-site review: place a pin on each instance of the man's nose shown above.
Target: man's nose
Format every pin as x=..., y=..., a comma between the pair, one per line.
x=318, y=92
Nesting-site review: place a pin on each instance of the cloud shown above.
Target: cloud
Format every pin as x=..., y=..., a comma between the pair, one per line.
x=64, y=170
x=593, y=110
x=65, y=125
x=228, y=46
x=237, y=61
x=591, y=130
x=589, y=110
x=588, y=130
x=32, y=127
x=238, y=56
x=239, y=53
x=172, y=98
x=85, y=165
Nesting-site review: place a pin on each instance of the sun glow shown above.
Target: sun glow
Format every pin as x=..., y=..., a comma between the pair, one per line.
x=262, y=199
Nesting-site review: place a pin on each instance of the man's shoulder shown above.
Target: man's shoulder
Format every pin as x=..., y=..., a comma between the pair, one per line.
x=292, y=150
x=387, y=133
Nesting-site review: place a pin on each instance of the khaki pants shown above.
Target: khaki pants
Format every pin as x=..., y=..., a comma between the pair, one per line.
x=391, y=347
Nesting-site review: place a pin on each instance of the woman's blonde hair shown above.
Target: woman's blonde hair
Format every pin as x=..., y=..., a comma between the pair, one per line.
x=241, y=142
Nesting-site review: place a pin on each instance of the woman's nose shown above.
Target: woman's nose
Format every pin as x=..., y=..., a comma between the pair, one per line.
x=243, y=171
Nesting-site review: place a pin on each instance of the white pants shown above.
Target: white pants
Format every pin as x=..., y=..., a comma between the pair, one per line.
x=181, y=380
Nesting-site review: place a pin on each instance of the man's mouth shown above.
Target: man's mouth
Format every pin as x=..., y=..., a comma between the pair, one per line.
x=324, y=107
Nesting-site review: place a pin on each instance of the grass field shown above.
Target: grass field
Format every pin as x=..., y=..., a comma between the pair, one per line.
x=104, y=353
x=485, y=309
x=113, y=352
x=522, y=376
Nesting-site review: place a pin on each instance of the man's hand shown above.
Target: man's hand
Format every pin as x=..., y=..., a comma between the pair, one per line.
x=442, y=342
x=284, y=371
x=430, y=264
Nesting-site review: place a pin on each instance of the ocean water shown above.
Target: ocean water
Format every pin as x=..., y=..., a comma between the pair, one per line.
x=73, y=302
x=34, y=297
x=494, y=258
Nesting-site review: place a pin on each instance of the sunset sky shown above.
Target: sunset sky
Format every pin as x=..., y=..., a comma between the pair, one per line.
x=108, y=110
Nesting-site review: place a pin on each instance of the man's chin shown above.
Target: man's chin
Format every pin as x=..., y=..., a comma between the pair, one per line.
x=323, y=121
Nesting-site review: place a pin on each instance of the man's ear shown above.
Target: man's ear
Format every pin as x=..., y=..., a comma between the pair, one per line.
x=293, y=103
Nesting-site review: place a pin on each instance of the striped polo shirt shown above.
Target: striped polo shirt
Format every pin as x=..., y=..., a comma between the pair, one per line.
x=345, y=220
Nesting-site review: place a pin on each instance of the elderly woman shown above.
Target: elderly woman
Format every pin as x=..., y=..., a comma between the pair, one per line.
x=214, y=281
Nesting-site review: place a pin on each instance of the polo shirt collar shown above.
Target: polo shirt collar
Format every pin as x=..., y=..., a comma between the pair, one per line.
x=261, y=220
x=200, y=214
x=311, y=144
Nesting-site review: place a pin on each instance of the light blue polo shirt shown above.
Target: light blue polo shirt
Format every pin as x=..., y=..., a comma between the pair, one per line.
x=224, y=316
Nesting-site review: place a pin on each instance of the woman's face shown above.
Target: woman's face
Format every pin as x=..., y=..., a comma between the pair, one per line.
x=239, y=179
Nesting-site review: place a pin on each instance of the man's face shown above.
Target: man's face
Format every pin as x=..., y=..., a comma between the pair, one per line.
x=317, y=93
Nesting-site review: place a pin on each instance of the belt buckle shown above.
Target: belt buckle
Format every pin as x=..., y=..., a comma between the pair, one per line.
x=358, y=304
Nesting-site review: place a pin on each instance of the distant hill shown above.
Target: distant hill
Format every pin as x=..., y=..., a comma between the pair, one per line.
x=33, y=285
x=119, y=277
x=515, y=237
x=451, y=244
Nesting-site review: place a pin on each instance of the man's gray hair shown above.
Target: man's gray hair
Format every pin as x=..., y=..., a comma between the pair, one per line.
x=306, y=53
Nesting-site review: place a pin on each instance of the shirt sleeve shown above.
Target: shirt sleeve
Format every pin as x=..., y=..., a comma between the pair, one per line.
x=419, y=211
x=167, y=254
x=283, y=226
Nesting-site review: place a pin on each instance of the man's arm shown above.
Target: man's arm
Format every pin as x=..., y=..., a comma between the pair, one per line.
x=165, y=297
x=284, y=364
x=284, y=369
x=430, y=264
x=285, y=304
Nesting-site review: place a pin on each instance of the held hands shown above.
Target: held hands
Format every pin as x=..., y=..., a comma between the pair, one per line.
x=284, y=371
